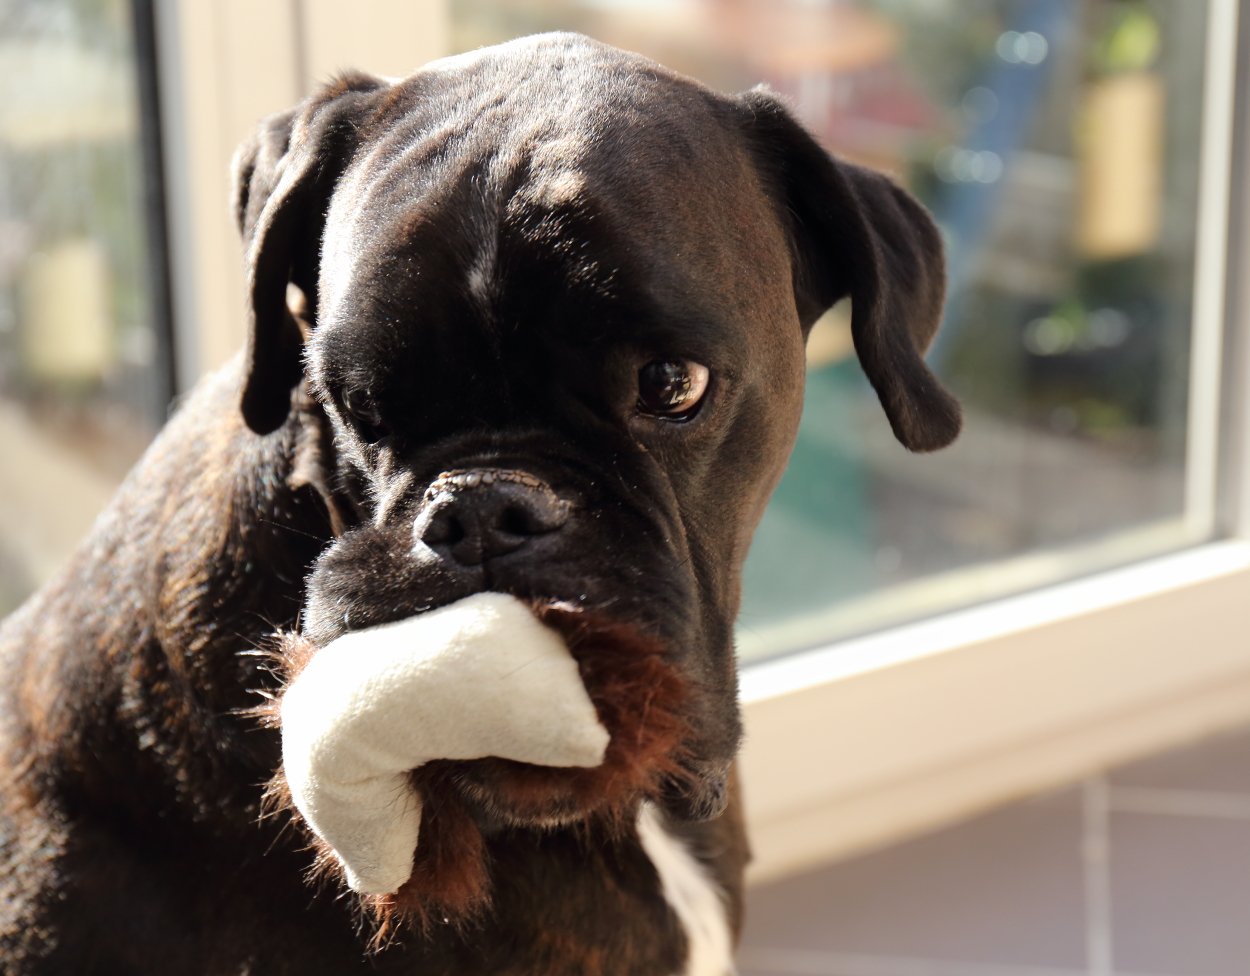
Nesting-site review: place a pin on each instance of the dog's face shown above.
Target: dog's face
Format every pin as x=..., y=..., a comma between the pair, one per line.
x=555, y=300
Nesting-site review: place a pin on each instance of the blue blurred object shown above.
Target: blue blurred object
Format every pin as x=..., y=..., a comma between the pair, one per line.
x=1018, y=79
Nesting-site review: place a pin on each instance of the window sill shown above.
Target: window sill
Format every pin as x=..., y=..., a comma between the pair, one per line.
x=869, y=740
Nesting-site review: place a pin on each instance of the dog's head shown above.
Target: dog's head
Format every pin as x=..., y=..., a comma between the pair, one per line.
x=553, y=300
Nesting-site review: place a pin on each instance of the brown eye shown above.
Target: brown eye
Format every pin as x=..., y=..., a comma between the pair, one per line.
x=363, y=408
x=671, y=389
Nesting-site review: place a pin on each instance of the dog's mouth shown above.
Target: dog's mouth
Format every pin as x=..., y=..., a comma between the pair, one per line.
x=640, y=698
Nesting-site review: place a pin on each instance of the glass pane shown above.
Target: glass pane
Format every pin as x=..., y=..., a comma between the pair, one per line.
x=83, y=377
x=1057, y=143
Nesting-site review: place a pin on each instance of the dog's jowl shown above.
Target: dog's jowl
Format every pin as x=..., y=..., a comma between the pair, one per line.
x=526, y=356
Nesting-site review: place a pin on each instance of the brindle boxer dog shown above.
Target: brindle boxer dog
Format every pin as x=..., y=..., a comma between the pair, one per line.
x=551, y=262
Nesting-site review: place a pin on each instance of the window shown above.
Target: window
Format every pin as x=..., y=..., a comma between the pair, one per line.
x=84, y=355
x=1060, y=145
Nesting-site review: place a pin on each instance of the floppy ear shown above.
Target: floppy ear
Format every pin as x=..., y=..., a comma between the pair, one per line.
x=283, y=176
x=856, y=233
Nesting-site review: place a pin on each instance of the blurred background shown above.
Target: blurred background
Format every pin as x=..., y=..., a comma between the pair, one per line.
x=1057, y=142
x=924, y=637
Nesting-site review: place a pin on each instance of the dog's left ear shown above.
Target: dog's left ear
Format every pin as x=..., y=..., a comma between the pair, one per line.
x=856, y=233
x=283, y=176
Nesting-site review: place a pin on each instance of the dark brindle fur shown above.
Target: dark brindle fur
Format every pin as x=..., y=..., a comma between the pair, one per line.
x=487, y=253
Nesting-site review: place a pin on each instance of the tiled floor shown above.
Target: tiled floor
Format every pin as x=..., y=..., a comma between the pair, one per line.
x=1145, y=870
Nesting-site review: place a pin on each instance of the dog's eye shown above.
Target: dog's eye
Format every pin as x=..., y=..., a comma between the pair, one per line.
x=363, y=408
x=671, y=389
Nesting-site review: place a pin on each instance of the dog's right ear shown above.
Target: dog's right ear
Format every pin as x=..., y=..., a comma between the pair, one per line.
x=283, y=176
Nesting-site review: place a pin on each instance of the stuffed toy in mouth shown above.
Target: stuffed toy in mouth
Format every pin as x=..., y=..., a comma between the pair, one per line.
x=548, y=712
x=480, y=677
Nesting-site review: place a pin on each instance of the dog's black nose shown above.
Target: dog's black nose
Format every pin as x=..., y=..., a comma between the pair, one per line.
x=475, y=514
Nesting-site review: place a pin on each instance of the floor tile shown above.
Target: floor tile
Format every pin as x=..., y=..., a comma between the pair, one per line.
x=1180, y=895
x=1002, y=888
x=1218, y=764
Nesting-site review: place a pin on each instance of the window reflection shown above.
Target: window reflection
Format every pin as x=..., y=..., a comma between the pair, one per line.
x=83, y=371
x=1057, y=143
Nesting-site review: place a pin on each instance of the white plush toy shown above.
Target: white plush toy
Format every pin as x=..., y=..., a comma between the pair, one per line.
x=480, y=677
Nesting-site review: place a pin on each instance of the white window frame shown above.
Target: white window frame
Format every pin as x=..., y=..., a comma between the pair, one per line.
x=866, y=740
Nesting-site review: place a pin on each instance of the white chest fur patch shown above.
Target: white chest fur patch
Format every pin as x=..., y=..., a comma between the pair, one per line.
x=480, y=677
x=694, y=897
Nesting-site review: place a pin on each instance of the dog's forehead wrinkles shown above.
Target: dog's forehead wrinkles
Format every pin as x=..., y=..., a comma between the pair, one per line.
x=558, y=124
x=401, y=179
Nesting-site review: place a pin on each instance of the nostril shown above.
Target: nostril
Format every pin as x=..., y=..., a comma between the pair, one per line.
x=442, y=528
x=453, y=530
x=516, y=520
